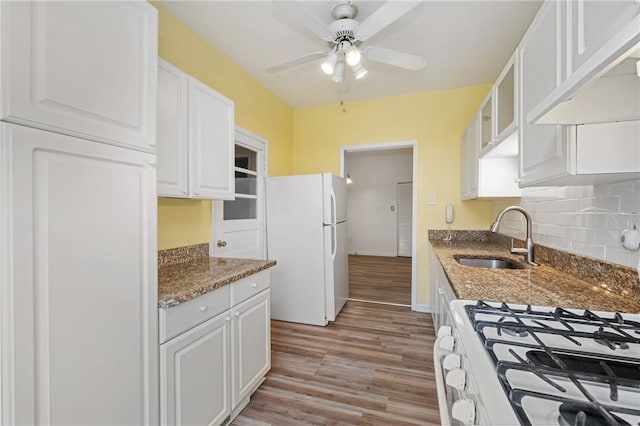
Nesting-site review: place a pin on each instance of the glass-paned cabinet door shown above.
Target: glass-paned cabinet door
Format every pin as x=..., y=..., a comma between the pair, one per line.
x=486, y=117
x=245, y=205
x=506, y=100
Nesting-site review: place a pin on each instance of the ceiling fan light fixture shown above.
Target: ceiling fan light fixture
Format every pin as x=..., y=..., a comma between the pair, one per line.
x=329, y=64
x=338, y=73
x=352, y=55
x=359, y=71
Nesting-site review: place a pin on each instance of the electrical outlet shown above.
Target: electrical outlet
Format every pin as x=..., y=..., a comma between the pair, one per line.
x=431, y=198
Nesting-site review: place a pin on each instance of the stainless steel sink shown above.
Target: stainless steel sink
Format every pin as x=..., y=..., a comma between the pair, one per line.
x=490, y=263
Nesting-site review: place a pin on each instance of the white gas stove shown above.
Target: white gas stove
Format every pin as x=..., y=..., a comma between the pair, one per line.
x=513, y=364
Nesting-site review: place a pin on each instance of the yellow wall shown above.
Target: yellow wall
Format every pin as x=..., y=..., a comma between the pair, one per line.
x=185, y=222
x=435, y=119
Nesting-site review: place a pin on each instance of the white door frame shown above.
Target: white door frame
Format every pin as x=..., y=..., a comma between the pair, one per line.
x=413, y=144
x=249, y=139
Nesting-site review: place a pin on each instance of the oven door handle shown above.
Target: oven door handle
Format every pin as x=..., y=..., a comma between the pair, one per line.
x=442, y=392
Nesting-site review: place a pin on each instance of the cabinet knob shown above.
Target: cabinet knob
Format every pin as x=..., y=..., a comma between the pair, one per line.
x=237, y=314
x=221, y=243
x=254, y=285
x=203, y=309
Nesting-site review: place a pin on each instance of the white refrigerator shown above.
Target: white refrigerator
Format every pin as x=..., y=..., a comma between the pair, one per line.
x=307, y=237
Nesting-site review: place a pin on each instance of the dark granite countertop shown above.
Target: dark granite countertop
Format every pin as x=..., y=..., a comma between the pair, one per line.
x=180, y=282
x=547, y=285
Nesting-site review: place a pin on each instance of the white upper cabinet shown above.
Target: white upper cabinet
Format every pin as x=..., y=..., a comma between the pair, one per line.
x=469, y=160
x=505, y=100
x=211, y=129
x=172, y=133
x=542, y=149
x=485, y=122
x=60, y=74
x=596, y=24
x=195, y=138
x=601, y=39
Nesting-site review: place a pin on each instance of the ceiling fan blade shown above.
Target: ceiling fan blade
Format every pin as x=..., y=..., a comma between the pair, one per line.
x=395, y=58
x=383, y=16
x=312, y=22
x=295, y=62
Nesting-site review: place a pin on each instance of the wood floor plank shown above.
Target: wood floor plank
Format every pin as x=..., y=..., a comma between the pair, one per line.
x=372, y=366
x=380, y=279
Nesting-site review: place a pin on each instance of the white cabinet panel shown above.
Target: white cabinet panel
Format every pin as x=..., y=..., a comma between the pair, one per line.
x=82, y=68
x=251, y=345
x=211, y=130
x=543, y=149
x=469, y=160
x=196, y=375
x=81, y=315
x=596, y=23
x=172, y=131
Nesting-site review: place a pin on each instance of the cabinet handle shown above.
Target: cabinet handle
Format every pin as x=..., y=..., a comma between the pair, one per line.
x=221, y=243
x=203, y=309
x=227, y=319
x=254, y=285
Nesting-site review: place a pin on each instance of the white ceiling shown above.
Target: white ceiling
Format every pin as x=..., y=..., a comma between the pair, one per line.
x=465, y=42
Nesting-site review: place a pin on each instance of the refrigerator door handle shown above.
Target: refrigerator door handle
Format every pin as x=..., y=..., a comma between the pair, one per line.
x=334, y=218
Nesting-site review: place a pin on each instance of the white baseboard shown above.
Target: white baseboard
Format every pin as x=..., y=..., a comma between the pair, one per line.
x=373, y=253
x=421, y=308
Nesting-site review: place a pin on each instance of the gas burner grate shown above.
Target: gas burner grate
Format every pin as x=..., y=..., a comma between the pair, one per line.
x=526, y=330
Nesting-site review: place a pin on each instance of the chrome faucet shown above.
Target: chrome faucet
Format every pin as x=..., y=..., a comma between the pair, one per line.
x=527, y=251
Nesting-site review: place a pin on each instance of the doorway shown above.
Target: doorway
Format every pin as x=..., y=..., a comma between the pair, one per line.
x=376, y=170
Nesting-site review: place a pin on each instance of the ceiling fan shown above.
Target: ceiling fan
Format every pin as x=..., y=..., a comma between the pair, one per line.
x=345, y=36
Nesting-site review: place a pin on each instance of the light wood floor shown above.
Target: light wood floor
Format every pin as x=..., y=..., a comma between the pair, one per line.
x=372, y=366
x=380, y=279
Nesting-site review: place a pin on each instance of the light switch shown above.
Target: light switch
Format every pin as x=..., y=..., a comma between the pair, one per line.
x=431, y=198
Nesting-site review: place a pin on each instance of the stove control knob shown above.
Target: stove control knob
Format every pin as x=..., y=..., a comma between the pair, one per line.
x=451, y=362
x=447, y=343
x=457, y=379
x=464, y=410
x=444, y=330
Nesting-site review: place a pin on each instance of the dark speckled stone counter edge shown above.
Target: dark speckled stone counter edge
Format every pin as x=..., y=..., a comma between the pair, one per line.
x=184, y=281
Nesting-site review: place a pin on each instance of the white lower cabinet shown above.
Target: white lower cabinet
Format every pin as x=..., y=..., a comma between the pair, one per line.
x=441, y=294
x=209, y=371
x=196, y=375
x=78, y=287
x=251, y=347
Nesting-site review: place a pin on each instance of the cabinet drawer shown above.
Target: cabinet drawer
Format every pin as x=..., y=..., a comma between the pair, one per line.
x=247, y=287
x=187, y=315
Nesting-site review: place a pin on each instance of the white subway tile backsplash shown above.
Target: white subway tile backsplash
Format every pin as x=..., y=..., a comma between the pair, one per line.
x=585, y=220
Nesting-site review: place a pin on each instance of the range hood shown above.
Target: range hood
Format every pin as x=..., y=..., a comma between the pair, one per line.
x=612, y=95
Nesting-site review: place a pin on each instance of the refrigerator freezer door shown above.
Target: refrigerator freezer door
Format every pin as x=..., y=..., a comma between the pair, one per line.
x=335, y=199
x=336, y=269
x=295, y=240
